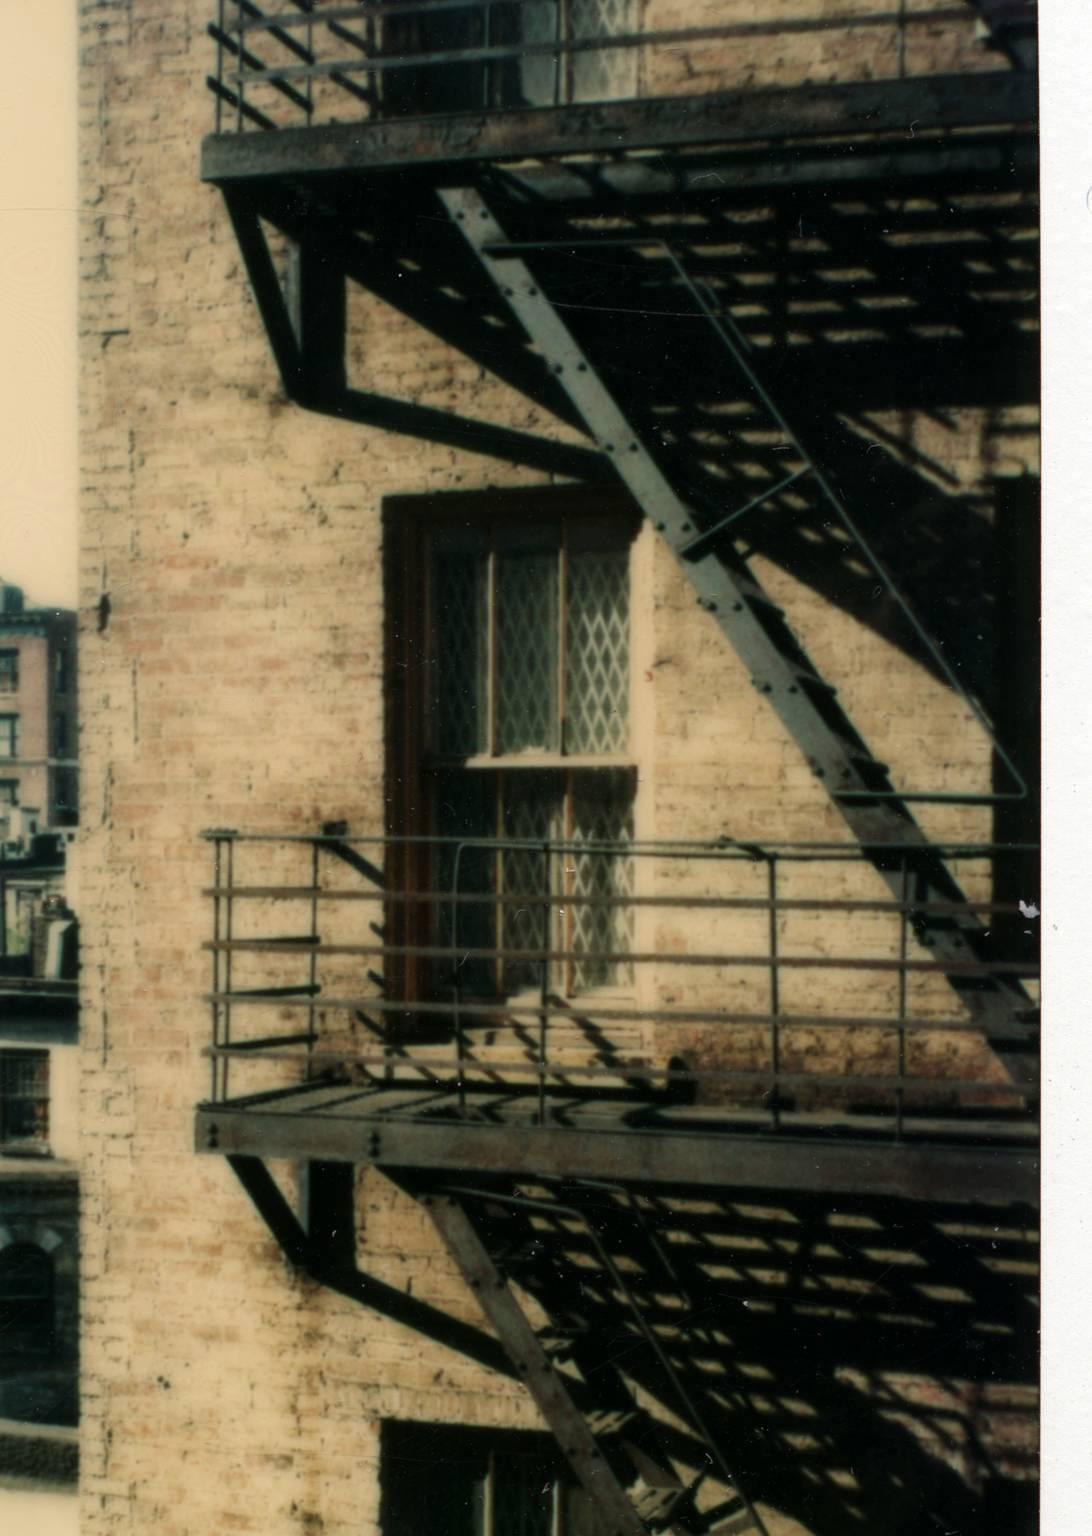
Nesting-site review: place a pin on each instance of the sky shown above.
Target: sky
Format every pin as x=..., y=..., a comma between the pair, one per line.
x=38, y=223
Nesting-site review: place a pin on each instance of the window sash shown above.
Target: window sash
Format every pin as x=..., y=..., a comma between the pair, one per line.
x=529, y=642
x=9, y=671
x=24, y=1098
x=9, y=735
x=570, y=895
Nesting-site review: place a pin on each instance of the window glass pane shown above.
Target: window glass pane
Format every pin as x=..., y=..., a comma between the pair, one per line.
x=24, y=1096
x=527, y=645
x=533, y=809
x=602, y=812
x=465, y=807
x=609, y=73
x=597, y=652
x=462, y=629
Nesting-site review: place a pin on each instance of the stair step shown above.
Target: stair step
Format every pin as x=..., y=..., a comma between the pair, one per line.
x=655, y=1505
x=283, y=938
x=736, y=1525
x=304, y=990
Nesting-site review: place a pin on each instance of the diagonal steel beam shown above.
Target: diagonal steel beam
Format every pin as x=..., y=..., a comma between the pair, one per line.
x=779, y=668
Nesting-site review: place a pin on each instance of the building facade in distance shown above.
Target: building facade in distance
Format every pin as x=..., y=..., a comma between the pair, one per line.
x=559, y=1045
x=39, y=787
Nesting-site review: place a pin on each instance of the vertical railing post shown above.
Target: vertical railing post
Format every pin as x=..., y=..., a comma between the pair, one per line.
x=544, y=984
x=229, y=928
x=217, y=861
x=310, y=81
x=219, y=63
x=775, y=995
x=456, y=1014
x=904, y=951
x=241, y=82
x=312, y=961
x=487, y=64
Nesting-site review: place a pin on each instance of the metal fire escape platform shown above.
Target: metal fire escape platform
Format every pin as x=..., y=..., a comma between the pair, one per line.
x=804, y=1040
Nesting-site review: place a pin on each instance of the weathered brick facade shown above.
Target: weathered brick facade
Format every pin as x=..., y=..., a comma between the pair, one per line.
x=233, y=674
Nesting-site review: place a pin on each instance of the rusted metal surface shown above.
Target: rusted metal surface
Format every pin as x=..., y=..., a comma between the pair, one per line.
x=699, y=1158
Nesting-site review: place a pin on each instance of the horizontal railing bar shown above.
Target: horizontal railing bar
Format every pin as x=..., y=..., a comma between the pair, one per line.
x=623, y=957
x=538, y=898
x=673, y=37
x=377, y=10
x=496, y=1016
x=715, y=848
x=641, y=1074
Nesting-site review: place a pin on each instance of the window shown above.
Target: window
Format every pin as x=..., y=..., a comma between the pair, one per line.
x=26, y=1300
x=9, y=671
x=524, y=735
x=9, y=735
x=62, y=670
x=443, y=1481
x=24, y=1099
x=543, y=76
x=9, y=793
x=60, y=733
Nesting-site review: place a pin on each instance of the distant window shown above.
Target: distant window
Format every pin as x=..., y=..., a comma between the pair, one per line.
x=24, y=1099
x=62, y=671
x=9, y=792
x=9, y=671
x=27, y=1323
x=442, y=1481
x=9, y=735
x=60, y=734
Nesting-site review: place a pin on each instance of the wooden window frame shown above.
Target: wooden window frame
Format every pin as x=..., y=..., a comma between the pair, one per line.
x=409, y=638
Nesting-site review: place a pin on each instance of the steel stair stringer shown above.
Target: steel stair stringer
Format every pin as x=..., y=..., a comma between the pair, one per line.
x=778, y=665
x=608, y=1440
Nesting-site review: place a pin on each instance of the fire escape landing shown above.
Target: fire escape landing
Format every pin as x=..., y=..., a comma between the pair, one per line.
x=799, y=260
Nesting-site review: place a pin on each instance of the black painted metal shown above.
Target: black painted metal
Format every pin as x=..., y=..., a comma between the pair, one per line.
x=327, y=1258
x=549, y=1387
x=631, y=1150
x=779, y=667
x=726, y=117
x=309, y=350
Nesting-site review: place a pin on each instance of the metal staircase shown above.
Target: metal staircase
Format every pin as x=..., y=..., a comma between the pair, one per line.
x=705, y=541
x=569, y=1249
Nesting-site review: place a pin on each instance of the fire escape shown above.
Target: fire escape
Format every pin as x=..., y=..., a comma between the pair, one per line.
x=793, y=259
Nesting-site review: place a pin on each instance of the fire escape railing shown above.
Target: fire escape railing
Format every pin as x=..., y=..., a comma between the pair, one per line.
x=288, y=63
x=773, y=982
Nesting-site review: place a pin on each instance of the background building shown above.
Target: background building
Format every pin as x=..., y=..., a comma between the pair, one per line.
x=39, y=1095
x=38, y=715
x=559, y=691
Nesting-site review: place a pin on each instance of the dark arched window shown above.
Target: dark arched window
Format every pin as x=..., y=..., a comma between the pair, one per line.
x=26, y=1300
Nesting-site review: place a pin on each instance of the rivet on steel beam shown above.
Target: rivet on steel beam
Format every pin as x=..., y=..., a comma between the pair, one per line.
x=737, y=607
x=558, y=368
x=533, y=292
x=581, y=367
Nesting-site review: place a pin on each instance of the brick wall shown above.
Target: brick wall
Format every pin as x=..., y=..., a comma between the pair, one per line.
x=232, y=674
